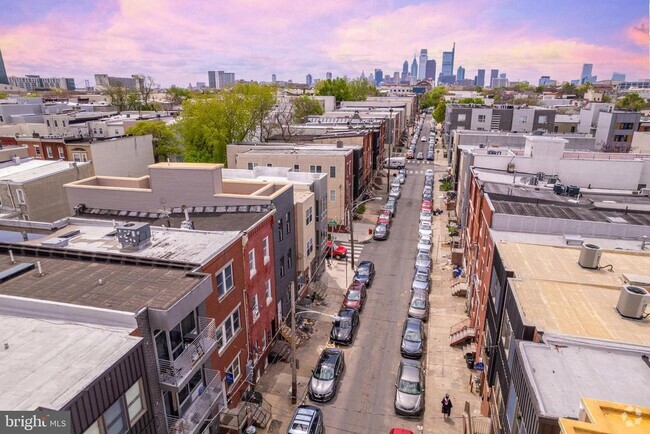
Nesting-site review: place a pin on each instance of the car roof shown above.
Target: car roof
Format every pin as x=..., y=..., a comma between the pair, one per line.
x=419, y=293
x=422, y=270
x=400, y=431
x=329, y=358
x=413, y=324
x=364, y=264
x=304, y=417
x=410, y=371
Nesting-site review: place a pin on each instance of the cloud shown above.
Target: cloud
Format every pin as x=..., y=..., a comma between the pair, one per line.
x=639, y=33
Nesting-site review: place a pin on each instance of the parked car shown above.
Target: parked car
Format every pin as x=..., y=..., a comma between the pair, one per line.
x=401, y=178
x=384, y=218
x=426, y=204
x=427, y=190
x=345, y=326
x=426, y=216
x=355, y=297
x=419, y=305
x=423, y=260
x=425, y=229
x=428, y=181
x=403, y=172
x=395, y=183
x=410, y=154
x=425, y=242
x=419, y=156
x=365, y=273
x=380, y=233
x=395, y=192
x=335, y=250
x=421, y=280
x=409, y=389
x=326, y=376
x=400, y=431
x=428, y=197
x=412, y=338
x=307, y=419
x=430, y=156
x=391, y=206
x=429, y=172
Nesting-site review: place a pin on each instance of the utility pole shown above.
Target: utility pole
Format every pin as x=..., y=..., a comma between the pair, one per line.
x=294, y=374
x=351, y=238
x=392, y=137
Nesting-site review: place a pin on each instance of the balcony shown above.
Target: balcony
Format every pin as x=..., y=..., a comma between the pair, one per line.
x=211, y=398
x=198, y=349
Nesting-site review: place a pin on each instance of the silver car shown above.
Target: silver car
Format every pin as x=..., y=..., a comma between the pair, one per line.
x=425, y=242
x=419, y=305
x=395, y=192
x=425, y=229
x=409, y=389
x=423, y=260
x=426, y=216
x=327, y=375
x=421, y=280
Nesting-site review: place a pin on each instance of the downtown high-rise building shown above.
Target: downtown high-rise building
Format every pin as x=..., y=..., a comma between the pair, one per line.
x=585, y=75
x=494, y=73
x=479, y=80
x=3, y=72
x=430, y=70
x=616, y=76
x=447, y=71
x=212, y=79
x=405, y=70
x=460, y=74
x=414, y=68
x=379, y=76
x=274, y=78
x=309, y=80
x=423, y=63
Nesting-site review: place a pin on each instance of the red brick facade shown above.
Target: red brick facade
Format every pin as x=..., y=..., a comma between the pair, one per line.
x=44, y=149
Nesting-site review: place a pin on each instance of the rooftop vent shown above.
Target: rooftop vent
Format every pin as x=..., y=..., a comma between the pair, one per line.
x=590, y=256
x=632, y=302
x=133, y=235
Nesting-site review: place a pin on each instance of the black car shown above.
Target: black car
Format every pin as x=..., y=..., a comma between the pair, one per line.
x=345, y=326
x=380, y=232
x=307, y=419
x=326, y=376
x=365, y=273
x=412, y=338
x=430, y=156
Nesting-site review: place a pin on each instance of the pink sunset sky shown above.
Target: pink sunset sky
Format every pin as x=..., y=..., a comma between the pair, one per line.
x=177, y=42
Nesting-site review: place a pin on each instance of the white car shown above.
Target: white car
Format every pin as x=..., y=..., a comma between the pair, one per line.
x=395, y=192
x=428, y=172
x=425, y=242
x=426, y=216
x=425, y=229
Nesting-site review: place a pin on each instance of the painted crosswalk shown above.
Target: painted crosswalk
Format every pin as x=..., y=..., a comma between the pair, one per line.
x=358, y=247
x=419, y=162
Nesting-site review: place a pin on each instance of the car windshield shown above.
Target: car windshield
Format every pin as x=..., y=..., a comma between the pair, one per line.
x=418, y=303
x=425, y=226
x=421, y=277
x=344, y=323
x=425, y=240
x=324, y=372
x=412, y=336
x=363, y=271
x=409, y=387
x=423, y=257
x=354, y=295
x=334, y=246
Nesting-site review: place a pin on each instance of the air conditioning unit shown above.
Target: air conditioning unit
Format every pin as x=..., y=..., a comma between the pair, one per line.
x=133, y=235
x=590, y=256
x=632, y=302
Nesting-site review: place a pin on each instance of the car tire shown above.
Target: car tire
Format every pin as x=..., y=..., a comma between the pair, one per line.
x=337, y=257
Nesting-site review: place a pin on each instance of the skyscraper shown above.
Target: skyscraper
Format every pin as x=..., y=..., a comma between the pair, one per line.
x=447, y=72
x=273, y=78
x=494, y=73
x=212, y=79
x=379, y=76
x=405, y=67
x=414, y=68
x=309, y=80
x=328, y=75
x=423, y=63
x=430, y=70
x=585, y=76
x=3, y=72
x=479, y=80
x=460, y=74
x=617, y=76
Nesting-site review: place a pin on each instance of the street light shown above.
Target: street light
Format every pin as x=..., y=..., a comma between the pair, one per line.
x=390, y=129
x=294, y=314
x=351, y=218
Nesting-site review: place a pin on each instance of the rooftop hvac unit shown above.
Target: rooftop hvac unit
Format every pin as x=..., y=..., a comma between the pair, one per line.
x=133, y=235
x=632, y=301
x=590, y=256
x=511, y=166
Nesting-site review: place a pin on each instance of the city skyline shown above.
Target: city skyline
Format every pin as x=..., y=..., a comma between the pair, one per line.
x=179, y=43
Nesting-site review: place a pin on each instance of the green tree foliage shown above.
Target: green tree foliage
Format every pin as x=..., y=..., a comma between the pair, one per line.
x=4, y=95
x=208, y=124
x=433, y=97
x=118, y=95
x=631, y=101
x=539, y=89
x=165, y=141
x=342, y=90
x=439, y=112
x=176, y=95
x=305, y=106
x=471, y=101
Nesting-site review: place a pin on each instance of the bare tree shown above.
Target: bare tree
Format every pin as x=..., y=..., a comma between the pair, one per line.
x=146, y=85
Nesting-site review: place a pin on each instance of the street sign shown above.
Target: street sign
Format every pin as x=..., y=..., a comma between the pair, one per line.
x=479, y=366
x=332, y=223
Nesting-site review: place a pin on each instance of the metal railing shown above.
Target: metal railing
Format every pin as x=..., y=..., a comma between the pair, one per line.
x=173, y=372
x=212, y=396
x=459, y=326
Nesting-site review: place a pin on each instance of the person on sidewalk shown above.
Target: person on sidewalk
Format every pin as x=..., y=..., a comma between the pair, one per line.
x=446, y=406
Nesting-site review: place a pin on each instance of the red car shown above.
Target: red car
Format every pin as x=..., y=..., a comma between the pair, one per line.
x=427, y=204
x=384, y=218
x=400, y=431
x=335, y=250
x=356, y=296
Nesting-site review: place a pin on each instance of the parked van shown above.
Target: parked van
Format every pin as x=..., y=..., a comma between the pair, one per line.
x=395, y=162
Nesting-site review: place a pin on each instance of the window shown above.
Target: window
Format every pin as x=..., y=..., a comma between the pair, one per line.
x=228, y=329
x=626, y=126
x=620, y=138
x=251, y=262
x=63, y=123
x=56, y=124
x=332, y=195
x=280, y=233
x=316, y=169
x=225, y=281
x=50, y=154
x=48, y=122
x=250, y=166
x=308, y=216
x=21, y=196
x=310, y=246
x=462, y=117
x=61, y=152
x=255, y=308
x=523, y=119
x=114, y=419
x=269, y=164
x=296, y=167
x=543, y=119
x=288, y=222
x=282, y=266
x=481, y=118
x=234, y=369
x=37, y=149
x=265, y=249
x=507, y=339
x=332, y=171
x=93, y=429
x=134, y=402
x=269, y=295
x=512, y=403
x=289, y=259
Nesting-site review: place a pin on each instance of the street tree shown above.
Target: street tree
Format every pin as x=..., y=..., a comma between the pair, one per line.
x=361, y=89
x=305, y=106
x=439, y=112
x=471, y=101
x=176, y=95
x=337, y=87
x=146, y=85
x=631, y=101
x=433, y=97
x=165, y=140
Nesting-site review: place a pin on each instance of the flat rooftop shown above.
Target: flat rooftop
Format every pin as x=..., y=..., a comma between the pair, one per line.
x=565, y=240
x=123, y=287
x=556, y=295
x=33, y=169
x=168, y=244
x=50, y=362
x=310, y=150
x=563, y=371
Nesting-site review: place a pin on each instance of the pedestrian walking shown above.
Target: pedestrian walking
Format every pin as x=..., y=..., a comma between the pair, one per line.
x=446, y=406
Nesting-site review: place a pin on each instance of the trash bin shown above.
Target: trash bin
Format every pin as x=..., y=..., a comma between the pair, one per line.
x=469, y=358
x=250, y=430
